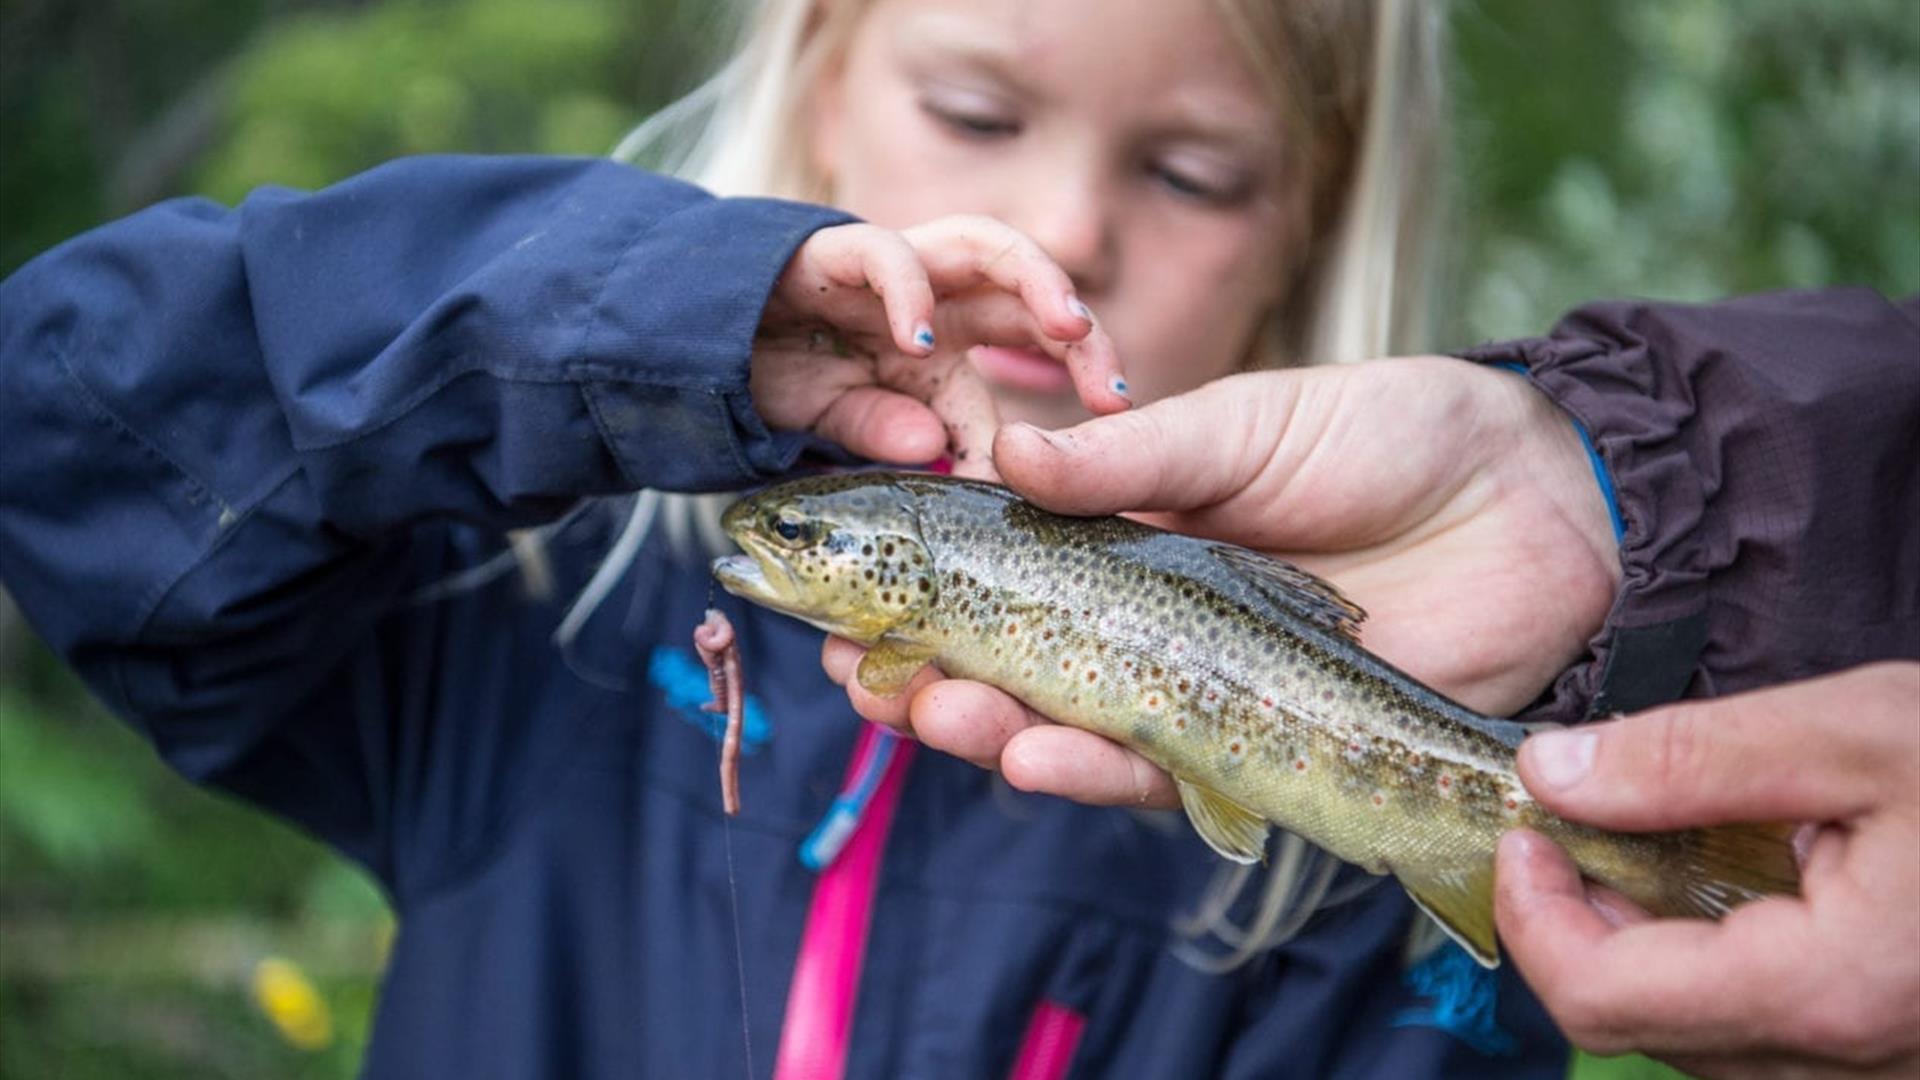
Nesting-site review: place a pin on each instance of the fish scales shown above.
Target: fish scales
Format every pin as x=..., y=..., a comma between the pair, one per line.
x=1160, y=650
x=1238, y=674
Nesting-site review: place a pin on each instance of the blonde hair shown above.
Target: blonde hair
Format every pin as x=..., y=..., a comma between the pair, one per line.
x=1359, y=84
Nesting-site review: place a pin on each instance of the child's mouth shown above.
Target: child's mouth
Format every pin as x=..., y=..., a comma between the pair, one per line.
x=1021, y=369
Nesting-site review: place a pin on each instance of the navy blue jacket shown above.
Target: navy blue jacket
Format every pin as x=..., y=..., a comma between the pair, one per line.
x=259, y=465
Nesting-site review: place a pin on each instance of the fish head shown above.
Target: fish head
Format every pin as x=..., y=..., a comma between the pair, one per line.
x=843, y=553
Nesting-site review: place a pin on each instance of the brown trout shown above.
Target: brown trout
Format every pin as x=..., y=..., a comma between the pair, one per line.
x=1239, y=674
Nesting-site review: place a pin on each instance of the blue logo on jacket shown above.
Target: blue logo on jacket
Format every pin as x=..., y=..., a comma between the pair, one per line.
x=683, y=681
x=1463, y=996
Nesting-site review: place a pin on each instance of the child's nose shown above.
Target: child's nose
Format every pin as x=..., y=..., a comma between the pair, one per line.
x=1074, y=222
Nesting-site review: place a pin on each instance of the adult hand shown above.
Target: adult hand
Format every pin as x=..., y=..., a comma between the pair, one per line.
x=1826, y=985
x=1452, y=501
x=864, y=338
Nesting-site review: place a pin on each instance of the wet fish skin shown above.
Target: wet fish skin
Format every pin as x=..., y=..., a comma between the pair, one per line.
x=1239, y=674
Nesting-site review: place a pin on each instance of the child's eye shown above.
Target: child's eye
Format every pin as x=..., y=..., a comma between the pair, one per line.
x=971, y=121
x=1210, y=190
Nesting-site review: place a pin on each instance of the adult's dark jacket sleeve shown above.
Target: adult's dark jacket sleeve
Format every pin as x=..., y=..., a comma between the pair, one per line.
x=1766, y=456
x=233, y=439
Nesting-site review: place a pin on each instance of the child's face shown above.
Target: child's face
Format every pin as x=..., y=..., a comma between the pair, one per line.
x=1128, y=137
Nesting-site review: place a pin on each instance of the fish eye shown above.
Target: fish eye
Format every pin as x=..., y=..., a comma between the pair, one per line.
x=790, y=525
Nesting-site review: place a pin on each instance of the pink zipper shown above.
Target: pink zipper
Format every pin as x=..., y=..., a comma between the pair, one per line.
x=1047, y=1048
x=833, y=945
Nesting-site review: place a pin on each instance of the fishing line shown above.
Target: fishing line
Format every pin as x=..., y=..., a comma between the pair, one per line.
x=739, y=944
x=733, y=900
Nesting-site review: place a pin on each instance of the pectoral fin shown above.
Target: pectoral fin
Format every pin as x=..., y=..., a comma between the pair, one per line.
x=1462, y=903
x=889, y=666
x=1228, y=828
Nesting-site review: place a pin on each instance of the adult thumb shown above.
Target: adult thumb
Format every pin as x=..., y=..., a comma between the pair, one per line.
x=1769, y=755
x=1180, y=453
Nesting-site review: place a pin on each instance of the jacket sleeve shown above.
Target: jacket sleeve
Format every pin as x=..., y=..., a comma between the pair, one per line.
x=1765, y=454
x=234, y=438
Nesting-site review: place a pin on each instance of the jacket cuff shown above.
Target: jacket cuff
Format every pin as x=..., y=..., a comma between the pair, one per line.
x=1647, y=649
x=666, y=369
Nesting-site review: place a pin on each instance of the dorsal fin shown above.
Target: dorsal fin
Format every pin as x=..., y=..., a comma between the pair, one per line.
x=1294, y=589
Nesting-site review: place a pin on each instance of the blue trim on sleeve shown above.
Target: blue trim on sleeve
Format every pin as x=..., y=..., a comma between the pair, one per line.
x=1600, y=474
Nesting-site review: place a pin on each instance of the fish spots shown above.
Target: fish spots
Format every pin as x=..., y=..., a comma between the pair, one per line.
x=1012, y=629
x=1300, y=763
x=1445, y=783
x=1092, y=675
x=1378, y=799
x=1266, y=704
x=1235, y=748
x=1180, y=723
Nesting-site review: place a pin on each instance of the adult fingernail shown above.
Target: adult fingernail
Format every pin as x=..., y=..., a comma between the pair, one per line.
x=923, y=336
x=1078, y=307
x=1562, y=759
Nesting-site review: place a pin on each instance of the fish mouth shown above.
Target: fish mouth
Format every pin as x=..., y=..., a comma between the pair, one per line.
x=746, y=576
x=741, y=575
x=761, y=580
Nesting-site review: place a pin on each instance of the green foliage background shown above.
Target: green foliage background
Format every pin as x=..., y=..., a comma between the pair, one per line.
x=1684, y=149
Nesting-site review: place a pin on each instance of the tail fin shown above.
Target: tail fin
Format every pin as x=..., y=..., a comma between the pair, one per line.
x=1728, y=865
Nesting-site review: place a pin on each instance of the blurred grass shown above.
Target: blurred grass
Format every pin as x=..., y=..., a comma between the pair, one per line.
x=1676, y=148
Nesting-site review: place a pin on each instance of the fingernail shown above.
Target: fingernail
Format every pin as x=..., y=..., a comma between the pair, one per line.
x=1562, y=759
x=923, y=336
x=1607, y=909
x=1075, y=305
x=1119, y=386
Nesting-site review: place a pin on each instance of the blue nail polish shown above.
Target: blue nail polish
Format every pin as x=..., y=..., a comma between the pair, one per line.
x=1119, y=386
x=1075, y=305
x=923, y=337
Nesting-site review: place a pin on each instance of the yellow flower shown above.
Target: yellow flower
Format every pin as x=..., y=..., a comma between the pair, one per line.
x=289, y=999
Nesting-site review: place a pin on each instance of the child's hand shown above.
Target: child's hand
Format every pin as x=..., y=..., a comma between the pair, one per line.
x=864, y=339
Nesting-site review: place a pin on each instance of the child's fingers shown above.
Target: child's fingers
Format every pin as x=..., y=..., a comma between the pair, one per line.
x=1097, y=375
x=962, y=401
x=883, y=425
x=875, y=260
x=987, y=317
x=964, y=252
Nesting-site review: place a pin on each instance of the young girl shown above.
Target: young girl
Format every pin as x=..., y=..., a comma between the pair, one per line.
x=261, y=465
